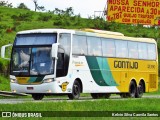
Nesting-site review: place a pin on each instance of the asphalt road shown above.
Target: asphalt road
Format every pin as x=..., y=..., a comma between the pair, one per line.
x=61, y=99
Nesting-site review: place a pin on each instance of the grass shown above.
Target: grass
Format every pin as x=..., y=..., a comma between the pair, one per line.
x=83, y=109
x=143, y=104
x=4, y=83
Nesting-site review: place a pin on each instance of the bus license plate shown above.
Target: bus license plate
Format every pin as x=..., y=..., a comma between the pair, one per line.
x=29, y=88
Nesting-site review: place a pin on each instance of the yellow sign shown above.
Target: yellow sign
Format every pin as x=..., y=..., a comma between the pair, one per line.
x=146, y=12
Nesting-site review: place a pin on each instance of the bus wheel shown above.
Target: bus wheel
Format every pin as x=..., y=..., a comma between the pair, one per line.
x=107, y=95
x=100, y=95
x=95, y=95
x=132, y=90
x=124, y=95
x=140, y=90
x=76, y=90
x=37, y=96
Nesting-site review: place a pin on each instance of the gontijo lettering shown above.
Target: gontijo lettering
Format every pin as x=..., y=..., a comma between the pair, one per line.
x=125, y=64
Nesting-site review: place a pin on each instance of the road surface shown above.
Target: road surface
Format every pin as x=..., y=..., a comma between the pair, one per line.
x=61, y=99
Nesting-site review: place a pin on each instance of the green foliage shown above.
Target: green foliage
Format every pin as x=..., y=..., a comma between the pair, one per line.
x=22, y=6
x=4, y=83
x=4, y=69
x=5, y=3
x=22, y=17
x=44, y=17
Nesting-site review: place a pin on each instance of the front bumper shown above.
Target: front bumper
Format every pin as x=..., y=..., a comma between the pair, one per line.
x=46, y=88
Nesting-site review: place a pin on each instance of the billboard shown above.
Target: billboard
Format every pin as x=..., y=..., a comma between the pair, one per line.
x=146, y=12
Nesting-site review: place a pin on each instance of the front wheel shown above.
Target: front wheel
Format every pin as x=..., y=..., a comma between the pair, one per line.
x=37, y=96
x=76, y=90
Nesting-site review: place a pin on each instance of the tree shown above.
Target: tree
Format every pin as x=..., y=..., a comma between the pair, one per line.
x=5, y=3
x=22, y=6
x=69, y=11
x=37, y=7
x=35, y=4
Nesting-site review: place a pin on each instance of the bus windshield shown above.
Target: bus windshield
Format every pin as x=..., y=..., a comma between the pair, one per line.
x=32, y=54
x=32, y=61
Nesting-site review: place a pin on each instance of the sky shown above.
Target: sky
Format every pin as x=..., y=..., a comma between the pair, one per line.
x=86, y=8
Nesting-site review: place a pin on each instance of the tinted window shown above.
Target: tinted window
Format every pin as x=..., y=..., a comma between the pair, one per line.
x=151, y=51
x=64, y=50
x=133, y=50
x=108, y=47
x=142, y=50
x=121, y=48
x=35, y=39
x=94, y=46
x=79, y=45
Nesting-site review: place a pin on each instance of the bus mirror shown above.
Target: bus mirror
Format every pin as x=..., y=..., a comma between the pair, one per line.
x=4, y=53
x=55, y=50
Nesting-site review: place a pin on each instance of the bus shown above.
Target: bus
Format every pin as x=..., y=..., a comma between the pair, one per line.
x=71, y=62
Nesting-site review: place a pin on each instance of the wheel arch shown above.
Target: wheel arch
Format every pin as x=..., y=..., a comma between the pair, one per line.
x=134, y=80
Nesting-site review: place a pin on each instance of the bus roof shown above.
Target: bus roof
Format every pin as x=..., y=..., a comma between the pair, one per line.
x=103, y=32
x=46, y=31
x=90, y=32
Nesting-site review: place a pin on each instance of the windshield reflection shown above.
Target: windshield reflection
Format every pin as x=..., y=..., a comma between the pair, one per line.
x=41, y=62
x=32, y=61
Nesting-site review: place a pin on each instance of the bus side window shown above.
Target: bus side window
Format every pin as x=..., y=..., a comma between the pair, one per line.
x=151, y=51
x=94, y=46
x=121, y=48
x=108, y=47
x=79, y=45
x=142, y=50
x=133, y=49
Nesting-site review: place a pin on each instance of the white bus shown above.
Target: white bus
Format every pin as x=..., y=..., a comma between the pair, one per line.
x=60, y=61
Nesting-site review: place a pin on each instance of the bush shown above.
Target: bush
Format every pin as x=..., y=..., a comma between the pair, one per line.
x=22, y=17
x=44, y=17
x=4, y=67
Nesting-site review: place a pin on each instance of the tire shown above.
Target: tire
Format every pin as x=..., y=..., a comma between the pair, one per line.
x=37, y=96
x=107, y=95
x=100, y=95
x=132, y=90
x=94, y=95
x=140, y=90
x=76, y=90
x=124, y=95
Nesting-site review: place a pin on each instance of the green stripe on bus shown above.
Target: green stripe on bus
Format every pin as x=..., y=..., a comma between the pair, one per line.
x=100, y=71
x=35, y=79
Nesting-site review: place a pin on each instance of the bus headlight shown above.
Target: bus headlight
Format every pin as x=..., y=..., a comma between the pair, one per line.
x=13, y=81
x=48, y=80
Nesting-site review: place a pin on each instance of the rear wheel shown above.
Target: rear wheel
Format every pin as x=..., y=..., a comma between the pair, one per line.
x=140, y=90
x=100, y=95
x=124, y=95
x=76, y=90
x=37, y=96
x=132, y=90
